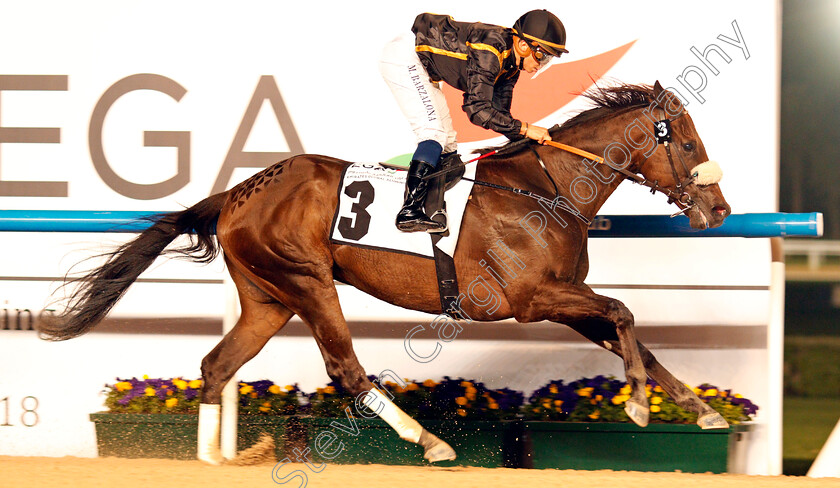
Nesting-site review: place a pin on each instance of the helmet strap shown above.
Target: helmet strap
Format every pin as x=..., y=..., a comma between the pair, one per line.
x=521, y=53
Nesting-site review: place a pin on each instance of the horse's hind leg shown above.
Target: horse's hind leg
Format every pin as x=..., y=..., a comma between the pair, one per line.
x=707, y=417
x=261, y=318
x=321, y=311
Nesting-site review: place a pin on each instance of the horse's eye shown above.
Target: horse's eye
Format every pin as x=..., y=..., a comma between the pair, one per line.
x=688, y=146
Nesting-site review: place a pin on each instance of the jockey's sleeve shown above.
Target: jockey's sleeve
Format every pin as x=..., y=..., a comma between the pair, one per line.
x=481, y=105
x=503, y=93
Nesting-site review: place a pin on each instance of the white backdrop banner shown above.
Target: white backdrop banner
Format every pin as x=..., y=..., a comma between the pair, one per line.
x=156, y=105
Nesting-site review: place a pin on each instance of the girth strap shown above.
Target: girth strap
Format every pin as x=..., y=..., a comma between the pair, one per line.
x=447, y=278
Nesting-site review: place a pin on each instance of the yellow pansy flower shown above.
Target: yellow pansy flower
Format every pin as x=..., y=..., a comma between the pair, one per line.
x=274, y=389
x=656, y=400
x=194, y=384
x=145, y=376
x=466, y=383
x=553, y=389
x=585, y=392
x=655, y=408
x=289, y=387
x=626, y=390
x=171, y=402
x=329, y=390
x=471, y=393
x=244, y=390
x=264, y=409
x=123, y=386
x=462, y=412
x=594, y=415
x=266, y=404
x=461, y=401
x=429, y=384
x=179, y=383
x=658, y=389
x=412, y=387
x=150, y=391
x=710, y=392
x=558, y=403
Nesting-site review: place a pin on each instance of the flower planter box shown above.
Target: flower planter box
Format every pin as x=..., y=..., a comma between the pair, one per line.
x=477, y=443
x=657, y=447
x=172, y=436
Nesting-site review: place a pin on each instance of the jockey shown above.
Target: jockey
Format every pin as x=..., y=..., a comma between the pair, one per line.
x=484, y=62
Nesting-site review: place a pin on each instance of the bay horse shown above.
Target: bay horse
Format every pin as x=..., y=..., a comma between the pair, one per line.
x=274, y=232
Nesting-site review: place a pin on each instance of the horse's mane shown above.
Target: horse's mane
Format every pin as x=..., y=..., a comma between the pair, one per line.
x=607, y=101
x=610, y=101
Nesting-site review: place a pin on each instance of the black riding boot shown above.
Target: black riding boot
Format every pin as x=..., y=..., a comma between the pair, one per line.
x=412, y=218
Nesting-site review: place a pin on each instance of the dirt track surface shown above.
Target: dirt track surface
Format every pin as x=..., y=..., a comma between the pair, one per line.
x=37, y=472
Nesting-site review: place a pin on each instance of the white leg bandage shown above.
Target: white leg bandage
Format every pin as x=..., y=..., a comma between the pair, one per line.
x=406, y=427
x=208, y=433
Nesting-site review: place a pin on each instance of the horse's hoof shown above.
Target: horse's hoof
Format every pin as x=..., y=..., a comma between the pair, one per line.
x=637, y=413
x=209, y=458
x=712, y=420
x=439, y=452
x=435, y=449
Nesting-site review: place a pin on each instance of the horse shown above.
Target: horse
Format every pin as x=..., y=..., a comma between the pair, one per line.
x=274, y=232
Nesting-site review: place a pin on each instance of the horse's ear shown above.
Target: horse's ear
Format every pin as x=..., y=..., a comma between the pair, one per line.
x=657, y=89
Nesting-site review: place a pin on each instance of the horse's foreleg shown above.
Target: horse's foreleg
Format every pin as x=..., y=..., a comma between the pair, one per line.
x=707, y=417
x=258, y=322
x=577, y=304
x=322, y=313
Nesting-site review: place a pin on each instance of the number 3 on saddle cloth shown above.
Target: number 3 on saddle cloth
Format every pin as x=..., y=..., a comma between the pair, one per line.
x=369, y=198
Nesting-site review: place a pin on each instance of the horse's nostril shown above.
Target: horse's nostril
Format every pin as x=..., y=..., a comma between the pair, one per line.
x=717, y=209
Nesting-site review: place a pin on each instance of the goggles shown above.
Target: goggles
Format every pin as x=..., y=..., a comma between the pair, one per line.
x=540, y=56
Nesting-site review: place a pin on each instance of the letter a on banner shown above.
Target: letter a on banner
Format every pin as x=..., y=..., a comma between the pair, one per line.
x=236, y=157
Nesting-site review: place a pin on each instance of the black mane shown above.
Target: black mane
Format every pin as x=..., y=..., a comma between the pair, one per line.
x=609, y=100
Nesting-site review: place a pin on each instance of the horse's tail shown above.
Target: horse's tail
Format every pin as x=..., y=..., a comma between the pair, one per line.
x=99, y=290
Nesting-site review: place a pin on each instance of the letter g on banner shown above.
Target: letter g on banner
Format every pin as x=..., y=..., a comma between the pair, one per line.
x=179, y=140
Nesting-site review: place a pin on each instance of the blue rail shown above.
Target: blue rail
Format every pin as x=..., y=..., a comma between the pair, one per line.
x=738, y=225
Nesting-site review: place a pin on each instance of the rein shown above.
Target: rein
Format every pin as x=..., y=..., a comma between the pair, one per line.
x=662, y=134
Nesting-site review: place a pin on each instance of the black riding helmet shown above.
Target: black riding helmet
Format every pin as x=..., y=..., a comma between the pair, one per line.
x=544, y=28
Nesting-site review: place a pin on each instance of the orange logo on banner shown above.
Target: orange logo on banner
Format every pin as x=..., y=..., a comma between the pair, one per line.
x=536, y=99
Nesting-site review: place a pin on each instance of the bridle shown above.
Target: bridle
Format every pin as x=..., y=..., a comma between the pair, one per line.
x=663, y=135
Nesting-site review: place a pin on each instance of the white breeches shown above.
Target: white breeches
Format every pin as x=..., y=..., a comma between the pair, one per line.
x=421, y=101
